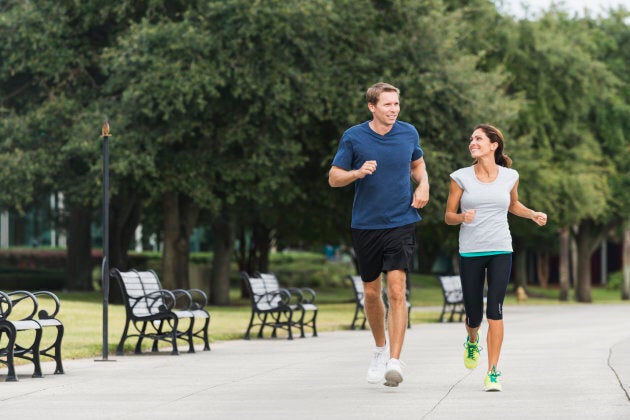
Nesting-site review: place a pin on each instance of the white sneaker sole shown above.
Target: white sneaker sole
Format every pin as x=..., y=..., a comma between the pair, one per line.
x=393, y=378
x=375, y=381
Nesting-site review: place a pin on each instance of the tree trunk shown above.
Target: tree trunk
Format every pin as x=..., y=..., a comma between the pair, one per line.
x=261, y=240
x=223, y=228
x=124, y=217
x=240, y=252
x=180, y=217
x=242, y=259
x=79, y=264
x=588, y=239
x=574, y=257
x=125, y=213
x=520, y=268
x=542, y=269
x=564, y=263
x=583, y=286
x=625, y=284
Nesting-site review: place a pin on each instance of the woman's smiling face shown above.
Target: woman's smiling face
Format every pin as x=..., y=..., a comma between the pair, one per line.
x=480, y=145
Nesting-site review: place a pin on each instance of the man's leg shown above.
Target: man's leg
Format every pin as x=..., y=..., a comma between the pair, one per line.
x=397, y=319
x=397, y=324
x=375, y=313
x=375, y=310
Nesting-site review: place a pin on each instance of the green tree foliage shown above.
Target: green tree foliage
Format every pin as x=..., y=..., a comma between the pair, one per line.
x=559, y=148
x=48, y=76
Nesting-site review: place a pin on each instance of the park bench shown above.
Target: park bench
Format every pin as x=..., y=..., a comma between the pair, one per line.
x=273, y=309
x=302, y=302
x=157, y=314
x=359, y=300
x=453, y=297
x=190, y=300
x=23, y=314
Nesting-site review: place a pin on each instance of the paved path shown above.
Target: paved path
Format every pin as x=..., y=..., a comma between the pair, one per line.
x=558, y=362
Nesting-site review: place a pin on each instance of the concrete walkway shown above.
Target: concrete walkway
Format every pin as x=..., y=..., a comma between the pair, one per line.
x=558, y=362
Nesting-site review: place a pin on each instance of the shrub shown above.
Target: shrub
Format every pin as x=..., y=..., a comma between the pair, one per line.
x=614, y=281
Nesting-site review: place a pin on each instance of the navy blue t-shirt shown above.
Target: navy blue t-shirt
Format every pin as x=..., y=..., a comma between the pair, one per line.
x=381, y=200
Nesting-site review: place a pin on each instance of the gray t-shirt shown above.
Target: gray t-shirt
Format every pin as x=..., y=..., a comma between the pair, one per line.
x=489, y=231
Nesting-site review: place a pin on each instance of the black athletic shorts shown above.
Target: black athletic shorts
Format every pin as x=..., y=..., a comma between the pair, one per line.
x=382, y=250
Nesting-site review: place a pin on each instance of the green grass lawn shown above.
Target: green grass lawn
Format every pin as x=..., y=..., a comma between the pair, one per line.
x=82, y=314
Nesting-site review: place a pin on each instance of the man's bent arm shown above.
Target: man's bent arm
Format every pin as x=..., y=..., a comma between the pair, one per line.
x=339, y=177
x=421, y=177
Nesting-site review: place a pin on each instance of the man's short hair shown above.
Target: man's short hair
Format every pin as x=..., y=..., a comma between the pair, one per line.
x=374, y=91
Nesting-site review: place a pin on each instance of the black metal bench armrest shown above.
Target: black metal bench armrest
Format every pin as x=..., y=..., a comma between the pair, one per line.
x=199, y=298
x=308, y=295
x=183, y=299
x=165, y=298
x=297, y=297
x=23, y=298
x=283, y=294
x=51, y=301
x=5, y=306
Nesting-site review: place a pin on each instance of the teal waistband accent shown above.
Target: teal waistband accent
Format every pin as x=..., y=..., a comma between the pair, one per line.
x=483, y=254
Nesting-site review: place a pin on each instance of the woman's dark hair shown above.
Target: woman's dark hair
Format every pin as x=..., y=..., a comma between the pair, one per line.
x=495, y=136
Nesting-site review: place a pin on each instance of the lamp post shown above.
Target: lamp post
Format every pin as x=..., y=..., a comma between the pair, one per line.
x=105, y=265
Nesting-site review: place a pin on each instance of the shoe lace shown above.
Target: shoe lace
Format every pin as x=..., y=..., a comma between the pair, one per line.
x=473, y=349
x=493, y=375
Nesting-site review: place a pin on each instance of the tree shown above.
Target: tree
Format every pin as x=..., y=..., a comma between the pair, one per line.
x=48, y=75
x=557, y=148
x=612, y=118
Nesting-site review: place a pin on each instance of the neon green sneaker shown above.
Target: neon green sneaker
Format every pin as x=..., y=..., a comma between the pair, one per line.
x=471, y=352
x=491, y=383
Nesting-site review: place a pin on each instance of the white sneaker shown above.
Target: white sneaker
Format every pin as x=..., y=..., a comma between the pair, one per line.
x=376, y=371
x=393, y=373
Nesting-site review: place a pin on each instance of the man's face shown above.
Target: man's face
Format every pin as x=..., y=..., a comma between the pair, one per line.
x=386, y=109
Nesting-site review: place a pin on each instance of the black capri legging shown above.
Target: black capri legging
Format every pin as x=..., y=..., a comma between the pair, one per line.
x=472, y=271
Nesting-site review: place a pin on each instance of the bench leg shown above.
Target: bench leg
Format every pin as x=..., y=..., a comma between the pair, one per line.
x=262, y=325
x=289, y=323
x=452, y=317
x=143, y=330
x=121, y=343
x=301, y=323
x=356, y=317
x=154, y=346
x=443, y=312
x=173, y=333
x=37, y=370
x=11, y=335
x=249, y=327
x=189, y=334
x=313, y=322
x=206, y=343
x=58, y=359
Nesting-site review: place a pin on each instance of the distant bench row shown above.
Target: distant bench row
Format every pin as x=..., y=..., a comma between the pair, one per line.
x=160, y=315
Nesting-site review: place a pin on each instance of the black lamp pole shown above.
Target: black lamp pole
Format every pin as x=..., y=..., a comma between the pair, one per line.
x=105, y=265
